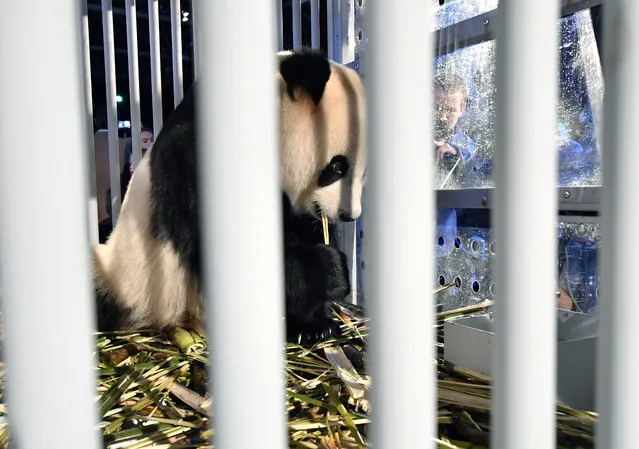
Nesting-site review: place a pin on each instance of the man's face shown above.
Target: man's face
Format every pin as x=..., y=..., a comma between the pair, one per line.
x=448, y=108
x=147, y=140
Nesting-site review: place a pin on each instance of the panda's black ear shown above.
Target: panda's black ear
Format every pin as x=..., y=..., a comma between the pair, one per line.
x=308, y=70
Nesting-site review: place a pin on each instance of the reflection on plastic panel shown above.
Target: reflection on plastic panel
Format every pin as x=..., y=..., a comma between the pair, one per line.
x=465, y=257
x=469, y=127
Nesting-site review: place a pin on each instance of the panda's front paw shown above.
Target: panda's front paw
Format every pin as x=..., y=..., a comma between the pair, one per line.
x=320, y=326
x=318, y=278
x=336, y=276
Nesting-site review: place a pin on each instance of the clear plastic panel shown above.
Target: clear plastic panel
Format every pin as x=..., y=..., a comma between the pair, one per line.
x=472, y=133
x=580, y=103
x=465, y=254
x=578, y=251
x=455, y=11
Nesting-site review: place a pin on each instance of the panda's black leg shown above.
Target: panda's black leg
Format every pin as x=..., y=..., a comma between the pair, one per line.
x=316, y=276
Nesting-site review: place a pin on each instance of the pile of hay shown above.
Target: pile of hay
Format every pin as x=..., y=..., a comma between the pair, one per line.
x=152, y=393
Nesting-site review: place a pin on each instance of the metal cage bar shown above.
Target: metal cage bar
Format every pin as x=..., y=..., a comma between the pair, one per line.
x=83, y=24
x=524, y=342
x=525, y=172
x=400, y=201
x=315, y=24
x=112, y=110
x=480, y=28
x=195, y=9
x=45, y=261
x=617, y=390
x=176, y=46
x=134, y=81
x=279, y=25
x=156, y=66
x=239, y=271
x=296, y=6
x=330, y=27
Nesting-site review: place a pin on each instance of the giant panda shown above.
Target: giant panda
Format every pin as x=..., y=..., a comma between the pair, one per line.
x=147, y=275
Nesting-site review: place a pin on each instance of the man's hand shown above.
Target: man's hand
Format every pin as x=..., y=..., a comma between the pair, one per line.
x=563, y=301
x=443, y=148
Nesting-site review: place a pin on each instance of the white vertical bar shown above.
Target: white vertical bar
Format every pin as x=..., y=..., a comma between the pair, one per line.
x=195, y=9
x=399, y=98
x=134, y=80
x=330, y=39
x=176, y=45
x=315, y=24
x=83, y=16
x=296, y=5
x=617, y=390
x=279, y=27
x=525, y=174
x=156, y=65
x=112, y=109
x=47, y=302
x=354, y=266
x=237, y=272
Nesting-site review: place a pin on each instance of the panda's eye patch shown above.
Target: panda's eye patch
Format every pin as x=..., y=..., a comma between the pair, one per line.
x=336, y=169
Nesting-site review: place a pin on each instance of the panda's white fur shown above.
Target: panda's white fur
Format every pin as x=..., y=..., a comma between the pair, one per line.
x=147, y=278
x=144, y=277
x=340, y=117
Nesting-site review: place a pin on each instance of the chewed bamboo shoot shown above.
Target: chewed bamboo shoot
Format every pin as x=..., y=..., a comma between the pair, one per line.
x=325, y=227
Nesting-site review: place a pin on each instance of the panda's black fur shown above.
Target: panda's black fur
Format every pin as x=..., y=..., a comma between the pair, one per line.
x=315, y=274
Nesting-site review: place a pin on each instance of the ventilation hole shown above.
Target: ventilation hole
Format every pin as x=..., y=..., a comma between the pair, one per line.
x=475, y=246
x=362, y=264
x=457, y=242
x=492, y=248
x=475, y=286
x=360, y=3
x=492, y=289
x=457, y=282
x=441, y=240
x=360, y=35
x=441, y=2
x=442, y=280
x=361, y=234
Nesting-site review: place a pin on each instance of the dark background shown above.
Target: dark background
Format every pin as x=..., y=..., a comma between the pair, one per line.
x=121, y=54
x=98, y=79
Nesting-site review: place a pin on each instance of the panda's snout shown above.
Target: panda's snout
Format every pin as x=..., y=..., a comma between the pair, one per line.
x=344, y=216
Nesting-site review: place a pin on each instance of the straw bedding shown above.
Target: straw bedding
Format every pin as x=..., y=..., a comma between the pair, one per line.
x=151, y=392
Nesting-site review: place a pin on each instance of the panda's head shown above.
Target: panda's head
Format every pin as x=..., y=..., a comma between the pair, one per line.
x=323, y=135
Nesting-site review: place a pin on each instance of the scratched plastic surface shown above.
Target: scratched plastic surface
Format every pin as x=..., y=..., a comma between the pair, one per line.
x=579, y=107
x=578, y=136
x=465, y=257
x=578, y=251
x=455, y=11
x=361, y=37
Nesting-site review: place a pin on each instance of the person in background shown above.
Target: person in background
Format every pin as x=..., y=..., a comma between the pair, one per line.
x=450, y=95
x=125, y=176
x=147, y=140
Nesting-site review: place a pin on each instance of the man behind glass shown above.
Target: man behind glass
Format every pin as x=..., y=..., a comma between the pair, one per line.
x=451, y=143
